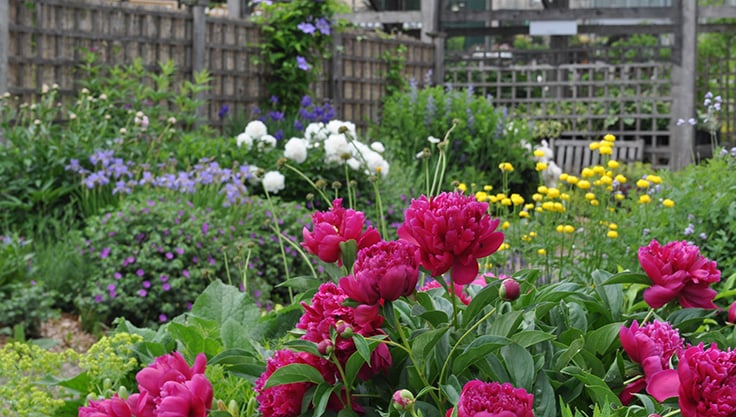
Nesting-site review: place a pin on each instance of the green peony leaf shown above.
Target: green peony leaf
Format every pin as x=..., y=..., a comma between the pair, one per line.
x=293, y=373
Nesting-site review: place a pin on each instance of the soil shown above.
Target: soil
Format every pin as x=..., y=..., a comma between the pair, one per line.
x=67, y=333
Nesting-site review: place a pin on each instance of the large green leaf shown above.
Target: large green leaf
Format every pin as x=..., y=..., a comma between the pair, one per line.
x=628, y=277
x=425, y=342
x=600, y=340
x=485, y=297
x=531, y=337
x=292, y=373
x=595, y=386
x=520, y=366
x=478, y=349
x=220, y=302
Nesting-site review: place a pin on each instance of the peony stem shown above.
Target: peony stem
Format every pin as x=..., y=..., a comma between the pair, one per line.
x=466, y=334
x=277, y=229
x=305, y=178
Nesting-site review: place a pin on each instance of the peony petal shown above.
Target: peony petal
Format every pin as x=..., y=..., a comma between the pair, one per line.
x=664, y=384
x=464, y=274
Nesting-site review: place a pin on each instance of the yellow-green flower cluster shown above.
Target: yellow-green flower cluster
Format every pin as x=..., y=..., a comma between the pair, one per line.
x=22, y=368
x=111, y=359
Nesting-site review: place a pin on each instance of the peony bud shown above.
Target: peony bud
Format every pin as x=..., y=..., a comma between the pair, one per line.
x=732, y=313
x=344, y=329
x=403, y=400
x=325, y=347
x=509, y=290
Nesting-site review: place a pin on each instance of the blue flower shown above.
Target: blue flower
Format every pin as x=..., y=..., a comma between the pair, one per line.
x=302, y=63
x=223, y=111
x=307, y=28
x=323, y=25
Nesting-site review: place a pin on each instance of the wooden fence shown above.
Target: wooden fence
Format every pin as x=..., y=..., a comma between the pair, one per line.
x=590, y=100
x=47, y=39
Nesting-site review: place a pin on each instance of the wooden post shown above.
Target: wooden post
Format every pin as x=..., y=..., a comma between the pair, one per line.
x=683, y=84
x=4, y=38
x=432, y=32
x=336, y=73
x=199, y=28
x=233, y=9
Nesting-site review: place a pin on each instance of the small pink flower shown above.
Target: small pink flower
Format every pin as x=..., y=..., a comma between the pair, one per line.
x=509, y=289
x=383, y=272
x=113, y=407
x=330, y=228
x=455, y=289
x=677, y=270
x=452, y=231
x=486, y=399
x=732, y=313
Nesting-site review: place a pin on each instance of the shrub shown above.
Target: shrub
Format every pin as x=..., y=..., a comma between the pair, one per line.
x=484, y=137
x=149, y=260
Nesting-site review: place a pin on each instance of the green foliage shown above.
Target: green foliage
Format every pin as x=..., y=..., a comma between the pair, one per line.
x=484, y=137
x=149, y=260
x=284, y=43
x=23, y=368
x=23, y=307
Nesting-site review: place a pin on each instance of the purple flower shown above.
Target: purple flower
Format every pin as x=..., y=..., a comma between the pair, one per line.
x=179, y=251
x=323, y=25
x=302, y=63
x=104, y=253
x=185, y=273
x=306, y=27
x=111, y=287
x=223, y=111
x=164, y=277
x=166, y=286
x=142, y=293
x=169, y=255
x=205, y=228
x=140, y=272
x=146, y=284
x=98, y=298
x=117, y=275
x=162, y=318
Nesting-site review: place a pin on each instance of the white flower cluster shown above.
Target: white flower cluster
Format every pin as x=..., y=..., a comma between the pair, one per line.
x=337, y=139
x=553, y=171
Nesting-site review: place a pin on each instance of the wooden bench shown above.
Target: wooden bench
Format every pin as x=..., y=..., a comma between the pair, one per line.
x=572, y=155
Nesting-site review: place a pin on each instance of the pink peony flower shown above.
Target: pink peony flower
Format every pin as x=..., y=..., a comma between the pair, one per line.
x=732, y=313
x=677, y=270
x=337, y=225
x=452, y=231
x=192, y=398
x=113, y=407
x=283, y=400
x=509, y=290
x=652, y=346
x=327, y=312
x=491, y=399
x=707, y=382
x=170, y=375
x=383, y=272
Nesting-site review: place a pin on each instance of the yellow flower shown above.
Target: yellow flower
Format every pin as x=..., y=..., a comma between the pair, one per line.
x=620, y=178
x=558, y=207
x=568, y=228
x=609, y=138
x=589, y=196
x=606, y=180
x=538, y=153
x=506, y=167
x=613, y=164
x=560, y=228
x=587, y=173
x=645, y=199
x=538, y=210
x=605, y=150
x=595, y=203
x=668, y=203
x=542, y=251
x=524, y=214
x=597, y=183
x=500, y=196
x=571, y=179
x=504, y=246
x=506, y=202
x=612, y=234
x=584, y=184
x=565, y=196
x=533, y=234
x=553, y=192
x=613, y=226
x=526, y=238
x=548, y=205
x=594, y=146
x=487, y=187
x=537, y=197
x=542, y=189
x=598, y=169
x=481, y=196
x=541, y=166
x=462, y=187
x=654, y=179
x=642, y=183
x=517, y=199
x=505, y=225
x=619, y=196
x=493, y=199
x=528, y=206
x=563, y=177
